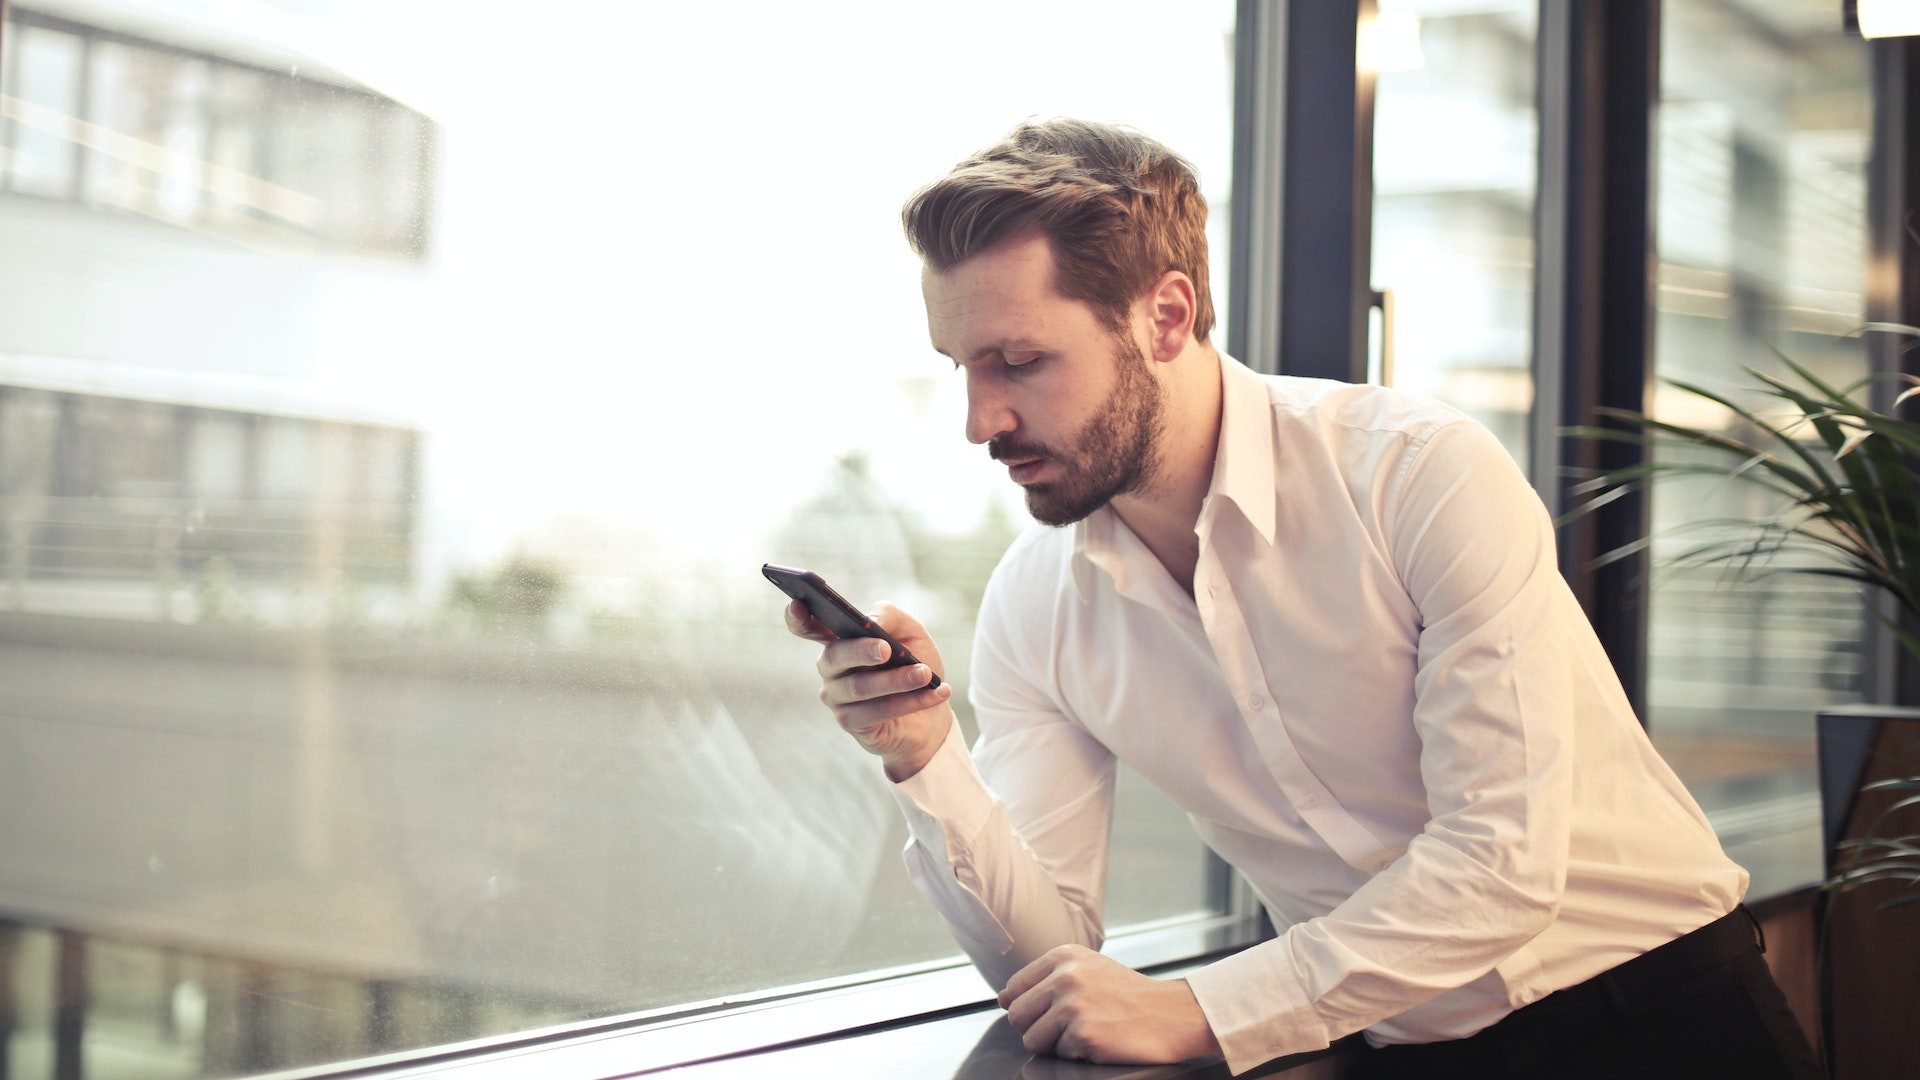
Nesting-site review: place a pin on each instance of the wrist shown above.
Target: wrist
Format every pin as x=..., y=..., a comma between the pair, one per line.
x=899, y=771
x=904, y=768
x=1201, y=1041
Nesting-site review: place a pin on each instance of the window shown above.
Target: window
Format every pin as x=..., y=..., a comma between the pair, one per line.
x=170, y=128
x=408, y=676
x=46, y=94
x=1760, y=193
x=1455, y=132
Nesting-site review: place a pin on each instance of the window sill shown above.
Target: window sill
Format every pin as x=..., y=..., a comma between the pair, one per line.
x=980, y=1044
x=939, y=1019
x=841, y=1013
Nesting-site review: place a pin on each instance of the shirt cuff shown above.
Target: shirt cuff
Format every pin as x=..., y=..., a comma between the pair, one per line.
x=1257, y=1007
x=946, y=803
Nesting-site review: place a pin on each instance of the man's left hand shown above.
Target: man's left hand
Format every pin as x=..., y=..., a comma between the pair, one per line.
x=1076, y=1003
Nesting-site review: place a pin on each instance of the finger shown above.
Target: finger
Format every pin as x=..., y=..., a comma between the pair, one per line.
x=844, y=659
x=866, y=685
x=851, y=654
x=1032, y=1005
x=1026, y=978
x=801, y=622
x=1045, y=1035
x=859, y=716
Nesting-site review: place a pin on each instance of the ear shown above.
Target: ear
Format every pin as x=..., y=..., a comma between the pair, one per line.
x=1169, y=307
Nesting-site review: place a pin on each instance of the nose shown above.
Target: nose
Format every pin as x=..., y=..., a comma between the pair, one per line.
x=988, y=413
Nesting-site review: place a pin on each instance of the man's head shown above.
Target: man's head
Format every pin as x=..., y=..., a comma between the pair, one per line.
x=1049, y=257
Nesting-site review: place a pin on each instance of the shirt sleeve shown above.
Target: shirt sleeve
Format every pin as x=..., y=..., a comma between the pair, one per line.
x=1010, y=844
x=1475, y=550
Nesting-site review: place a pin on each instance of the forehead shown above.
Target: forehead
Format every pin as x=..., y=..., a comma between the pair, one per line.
x=997, y=295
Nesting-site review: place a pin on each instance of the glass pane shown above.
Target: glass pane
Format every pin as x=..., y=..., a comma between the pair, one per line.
x=9, y=85
x=1761, y=230
x=237, y=134
x=181, y=131
x=28, y=420
x=1453, y=172
x=389, y=643
x=46, y=87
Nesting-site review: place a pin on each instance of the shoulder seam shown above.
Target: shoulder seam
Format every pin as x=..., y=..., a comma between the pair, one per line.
x=1414, y=451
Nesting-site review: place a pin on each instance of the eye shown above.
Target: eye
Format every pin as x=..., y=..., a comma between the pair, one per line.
x=1023, y=367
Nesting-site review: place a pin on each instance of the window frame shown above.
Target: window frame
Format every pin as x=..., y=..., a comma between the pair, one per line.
x=1580, y=108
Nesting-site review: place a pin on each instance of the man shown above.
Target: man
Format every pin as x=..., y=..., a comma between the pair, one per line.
x=1328, y=622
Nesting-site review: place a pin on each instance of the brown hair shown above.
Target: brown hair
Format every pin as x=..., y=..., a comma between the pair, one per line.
x=1119, y=209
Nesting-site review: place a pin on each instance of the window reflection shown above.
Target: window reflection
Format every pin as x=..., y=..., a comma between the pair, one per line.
x=45, y=76
x=1454, y=137
x=1761, y=230
x=386, y=461
x=200, y=139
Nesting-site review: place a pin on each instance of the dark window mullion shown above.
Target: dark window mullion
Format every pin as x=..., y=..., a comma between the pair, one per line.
x=1254, y=272
x=1893, y=295
x=1326, y=191
x=1593, y=327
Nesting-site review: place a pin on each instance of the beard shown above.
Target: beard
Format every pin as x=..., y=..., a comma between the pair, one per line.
x=1115, y=453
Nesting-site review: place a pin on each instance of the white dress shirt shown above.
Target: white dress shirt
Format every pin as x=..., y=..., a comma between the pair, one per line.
x=1382, y=705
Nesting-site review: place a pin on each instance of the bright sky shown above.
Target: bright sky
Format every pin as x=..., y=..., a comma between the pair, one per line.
x=669, y=282
x=668, y=285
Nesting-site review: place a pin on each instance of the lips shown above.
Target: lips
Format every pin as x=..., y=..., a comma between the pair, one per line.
x=1026, y=470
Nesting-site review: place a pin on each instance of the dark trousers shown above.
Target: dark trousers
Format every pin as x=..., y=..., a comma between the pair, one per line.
x=1702, y=1005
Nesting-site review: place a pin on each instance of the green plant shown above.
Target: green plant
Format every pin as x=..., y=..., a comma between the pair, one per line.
x=1849, y=501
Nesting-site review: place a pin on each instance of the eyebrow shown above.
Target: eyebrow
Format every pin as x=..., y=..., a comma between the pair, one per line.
x=1002, y=346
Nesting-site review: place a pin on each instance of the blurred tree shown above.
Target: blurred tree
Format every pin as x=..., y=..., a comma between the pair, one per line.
x=517, y=597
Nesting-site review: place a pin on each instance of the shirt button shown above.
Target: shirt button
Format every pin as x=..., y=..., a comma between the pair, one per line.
x=1255, y=704
x=1213, y=590
x=1310, y=800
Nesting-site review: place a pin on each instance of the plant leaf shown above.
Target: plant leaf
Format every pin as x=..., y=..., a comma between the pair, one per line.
x=1853, y=440
x=1888, y=328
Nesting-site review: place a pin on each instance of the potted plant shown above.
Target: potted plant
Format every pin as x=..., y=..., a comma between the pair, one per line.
x=1847, y=482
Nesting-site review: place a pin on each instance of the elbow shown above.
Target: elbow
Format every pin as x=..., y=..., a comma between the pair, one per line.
x=1079, y=917
x=1538, y=905
x=1542, y=916
x=1092, y=935
x=1084, y=925
x=1519, y=894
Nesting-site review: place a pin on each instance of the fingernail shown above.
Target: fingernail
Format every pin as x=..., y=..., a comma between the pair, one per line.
x=878, y=650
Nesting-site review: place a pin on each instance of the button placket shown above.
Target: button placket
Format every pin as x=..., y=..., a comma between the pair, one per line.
x=1310, y=798
x=1240, y=664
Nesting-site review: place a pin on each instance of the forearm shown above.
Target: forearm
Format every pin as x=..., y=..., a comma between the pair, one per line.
x=1003, y=905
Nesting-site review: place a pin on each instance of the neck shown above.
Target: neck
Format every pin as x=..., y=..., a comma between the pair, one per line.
x=1165, y=511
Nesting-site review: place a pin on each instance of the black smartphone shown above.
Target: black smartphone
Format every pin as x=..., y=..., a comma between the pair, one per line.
x=836, y=614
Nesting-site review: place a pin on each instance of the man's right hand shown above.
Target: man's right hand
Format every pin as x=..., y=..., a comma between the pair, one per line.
x=888, y=712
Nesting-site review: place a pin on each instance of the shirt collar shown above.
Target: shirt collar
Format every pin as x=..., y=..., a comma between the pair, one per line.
x=1243, y=473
